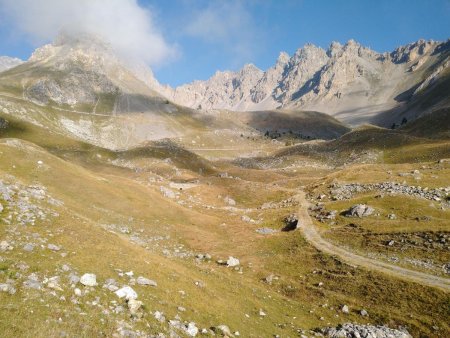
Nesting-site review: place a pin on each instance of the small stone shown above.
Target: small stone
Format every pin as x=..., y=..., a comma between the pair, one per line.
x=73, y=278
x=392, y=216
x=191, y=329
x=228, y=200
x=127, y=293
x=53, y=247
x=262, y=313
x=145, y=281
x=181, y=309
x=265, y=231
x=232, y=262
x=223, y=330
x=28, y=247
x=77, y=292
x=88, y=279
x=345, y=309
x=134, y=306
x=159, y=316
x=4, y=245
x=364, y=313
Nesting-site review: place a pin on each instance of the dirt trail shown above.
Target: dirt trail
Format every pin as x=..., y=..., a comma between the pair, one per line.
x=313, y=236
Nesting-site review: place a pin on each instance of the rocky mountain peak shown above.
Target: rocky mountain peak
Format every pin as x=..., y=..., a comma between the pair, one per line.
x=283, y=59
x=334, y=49
x=7, y=62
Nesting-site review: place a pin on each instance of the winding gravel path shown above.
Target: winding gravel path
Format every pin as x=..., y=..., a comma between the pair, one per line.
x=313, y=236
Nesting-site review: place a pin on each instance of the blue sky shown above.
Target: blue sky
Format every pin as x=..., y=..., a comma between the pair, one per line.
x=207, y=36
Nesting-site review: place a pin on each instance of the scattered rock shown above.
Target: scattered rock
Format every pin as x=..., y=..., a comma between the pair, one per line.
x=262, y=313
x=73, y=278
x=7, y=288
x=127, y=293
x=88, y=279
x=291, y=222
x=191, y=329
x=265, y=231
x=111, y=285
x=159, y=316
x=28, y=247
x=5, y=246
x=345, y=309
x=232, y=262
x=364, y=313
x=222, y=330
x=269, y=279
x=228, y=200
x=392, y=216
x=134, y=306
x=53, y=247
x=355, y=330
x=32, y=282
x=145, y=281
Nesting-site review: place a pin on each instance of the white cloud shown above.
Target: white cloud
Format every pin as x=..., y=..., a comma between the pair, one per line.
x=228, y=24
x=128, y=27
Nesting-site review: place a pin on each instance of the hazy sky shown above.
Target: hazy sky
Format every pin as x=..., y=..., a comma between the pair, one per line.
x=185, y=40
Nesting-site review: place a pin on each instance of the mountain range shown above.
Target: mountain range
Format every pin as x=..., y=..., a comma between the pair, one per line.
x=350, y=82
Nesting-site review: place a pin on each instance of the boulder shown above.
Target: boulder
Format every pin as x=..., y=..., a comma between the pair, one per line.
x=291, y=222
x=127, y=293
x=88, y=279
x=232, y=262
x=360, y=210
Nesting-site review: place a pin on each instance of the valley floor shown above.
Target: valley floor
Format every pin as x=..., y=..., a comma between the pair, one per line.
x=195, y=229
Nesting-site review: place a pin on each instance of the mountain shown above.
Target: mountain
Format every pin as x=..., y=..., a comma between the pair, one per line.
x=7, y=62
x=85, y=72
x=351, y=82
x=80, y=86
